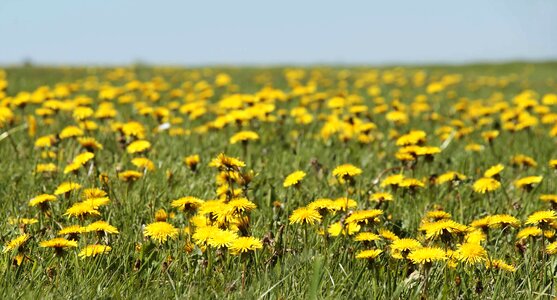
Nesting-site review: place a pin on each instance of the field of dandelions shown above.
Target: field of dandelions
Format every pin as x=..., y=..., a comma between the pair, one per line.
x=279, y=183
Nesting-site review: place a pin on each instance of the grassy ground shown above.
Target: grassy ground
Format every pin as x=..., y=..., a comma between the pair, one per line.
x=296, y=260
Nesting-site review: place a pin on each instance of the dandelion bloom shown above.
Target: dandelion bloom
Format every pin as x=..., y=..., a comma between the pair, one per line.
x=192, y=161
x=244, y=136
x=294, y=178
x=90, y=143
x=363, y=216
x=245, y=244
x=400, y=248
x=486, y=184
x=366, y=237
x=160, y=231
x=41, y=199
x=427, y=255
x=187, y=203
x=138, y=146
x=471, y=253
x=58, y=243
x=81, y=209
x=71, y=230
x=101, y=226
x=443, y=228
x=129, y=175
x=527, y=232
x=494, y=170
x=551, y=248
x=66, y=187
x=542, y=217
x=222, y=238
x=369, y=254
x=528, y=182
x=500, y=265
x=143, y=163
x=503, y=220
x=381, y=197
x=305, y=215
x=241, y=205
x=94, y=250
x=226, y=163
x=346, y=171
x=16, y=243
x=450, y=176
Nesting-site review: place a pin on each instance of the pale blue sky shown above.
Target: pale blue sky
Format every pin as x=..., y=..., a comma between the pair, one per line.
x=265, y=32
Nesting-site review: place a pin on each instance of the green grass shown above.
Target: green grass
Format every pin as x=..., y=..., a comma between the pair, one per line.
x=294, y=264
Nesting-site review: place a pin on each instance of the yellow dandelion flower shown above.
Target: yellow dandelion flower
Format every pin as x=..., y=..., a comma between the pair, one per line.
x=143, y=163
x=226, y=163
x=542, y=217
x=14, y=244
x=400, y=248
x=187, y=203
x=101, y=226
x=94, y=250
x=500, y=265
x=471, y=253
x=139, y=146
x=494, y=170
x=294, y=178
x=381, y=197
x=41, y=199
x=192, y=161
x=58, y=243
x=427, y=255
x=81, y=209
x=160, y=231
x=245, y=244
x=485, y=185
x=71, y=230
x=244, y=136
x=528, y=182
x=222, y=238
x=366, y=237
x=66, y=187
x=364, y=216
x=527, y=232
x=129, y=175
x=305, y=215
x=369, y=254
x=346, y=171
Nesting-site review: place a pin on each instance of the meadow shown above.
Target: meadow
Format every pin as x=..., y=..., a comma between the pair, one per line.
x=433, y=182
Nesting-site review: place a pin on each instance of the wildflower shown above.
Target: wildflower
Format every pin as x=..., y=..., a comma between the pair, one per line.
x=400, y=248
x=81, y=209
x=551, y=248
x=244, y=136
x=89, y=143
x=503, y=220
x=66, y=187
x=129, y=175
x=46, y=168
x=366, y=237
x=192, y=161
x=294, y=178
x=500, y=265
x=369, y=254
x=245, y=244
x=346, y=171
x=381, y=197
x=486, y=184
x=414, y=137
x=41, y=199
x=94, y=250
x=393, y=180
x=203, y=234
x=494, y=170
x=427, y=255
x=225, y=163
x=92, y=193
x=324, y=205
x=160, y=231
x=187, y=203
x=72, y=230
x=16, y=243
x=523, y=161
x=139, y=146
x=388, y=235
x=101, y=226
x=471, y=253
x=450, y=176
x=305, y=215
x=222, y=238
x=58, y=244
x=527, y=182
x=338, y=228
x=527, y=232
x=344, y=203
x=363, y=216
x=542, y=217
x=241, y=205
x=70, y=131
x=143, y=163
x=443, y=229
